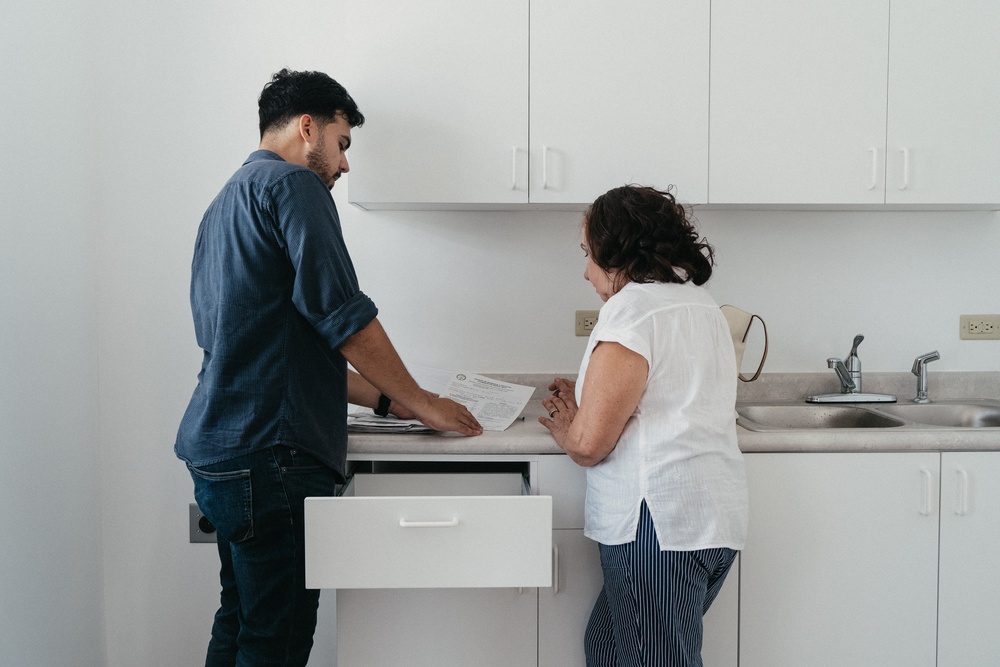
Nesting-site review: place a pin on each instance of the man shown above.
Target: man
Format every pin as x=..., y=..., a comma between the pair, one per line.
x=278, y=313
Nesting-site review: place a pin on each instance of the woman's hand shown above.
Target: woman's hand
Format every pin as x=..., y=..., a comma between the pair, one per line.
x=615, y=381
x=562, y=408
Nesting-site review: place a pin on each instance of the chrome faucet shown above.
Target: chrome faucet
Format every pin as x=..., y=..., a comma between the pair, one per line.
x=847, y=385
x=920, y=370
x=849, y=374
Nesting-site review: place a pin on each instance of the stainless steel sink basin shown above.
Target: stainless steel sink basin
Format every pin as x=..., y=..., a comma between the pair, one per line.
x=960, y=415
x=791, y=417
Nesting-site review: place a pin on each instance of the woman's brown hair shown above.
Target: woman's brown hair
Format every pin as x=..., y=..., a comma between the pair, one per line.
x=644, y=235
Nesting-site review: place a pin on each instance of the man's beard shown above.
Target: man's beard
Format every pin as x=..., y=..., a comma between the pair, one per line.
x=317, y=161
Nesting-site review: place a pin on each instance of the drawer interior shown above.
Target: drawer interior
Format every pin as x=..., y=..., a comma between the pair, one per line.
x=391, y=479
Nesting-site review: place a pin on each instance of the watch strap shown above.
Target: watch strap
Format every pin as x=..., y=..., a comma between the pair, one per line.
x=382, y=409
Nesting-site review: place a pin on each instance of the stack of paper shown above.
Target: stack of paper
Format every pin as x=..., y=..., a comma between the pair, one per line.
x=361, y=422
x=494, y=403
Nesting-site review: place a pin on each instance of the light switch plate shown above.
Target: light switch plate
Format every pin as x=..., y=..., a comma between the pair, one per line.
x=979, y=327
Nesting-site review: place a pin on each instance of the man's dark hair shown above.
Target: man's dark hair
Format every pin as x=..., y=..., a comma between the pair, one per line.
x=291, y=94
x=644, y=235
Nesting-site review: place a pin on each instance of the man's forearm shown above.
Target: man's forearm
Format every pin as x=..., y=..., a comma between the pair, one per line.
x=360, y=391
x=371, y=353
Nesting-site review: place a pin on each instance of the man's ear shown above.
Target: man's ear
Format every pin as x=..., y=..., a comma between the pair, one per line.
x=307, y=128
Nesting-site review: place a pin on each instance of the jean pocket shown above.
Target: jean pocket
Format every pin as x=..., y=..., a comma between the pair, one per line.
x=297, y=461
x=226, y=499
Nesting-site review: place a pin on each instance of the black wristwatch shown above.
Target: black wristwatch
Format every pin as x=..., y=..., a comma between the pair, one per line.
x=382, y=410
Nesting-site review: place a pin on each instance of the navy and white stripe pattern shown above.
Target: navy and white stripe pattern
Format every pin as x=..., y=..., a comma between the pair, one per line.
x=649, y=613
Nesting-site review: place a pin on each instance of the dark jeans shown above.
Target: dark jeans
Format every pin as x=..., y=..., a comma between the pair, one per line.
x=266, y=617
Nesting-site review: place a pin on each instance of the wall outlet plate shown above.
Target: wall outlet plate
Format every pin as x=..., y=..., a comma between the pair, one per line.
x=979, y=327
x=199, y=528
x=586, y=320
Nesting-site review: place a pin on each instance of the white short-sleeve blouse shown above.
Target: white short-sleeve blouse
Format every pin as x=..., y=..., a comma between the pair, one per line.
x=678, y=451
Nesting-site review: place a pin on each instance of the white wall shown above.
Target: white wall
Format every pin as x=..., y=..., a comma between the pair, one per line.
x=491, y=292
x=51, y=606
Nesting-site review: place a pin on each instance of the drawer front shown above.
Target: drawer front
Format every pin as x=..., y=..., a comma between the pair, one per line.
x=429, y=542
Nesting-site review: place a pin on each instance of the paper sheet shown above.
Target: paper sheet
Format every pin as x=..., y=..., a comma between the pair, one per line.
x=494, y=403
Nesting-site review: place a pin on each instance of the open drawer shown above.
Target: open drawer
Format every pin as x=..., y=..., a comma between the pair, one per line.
x=430, y=530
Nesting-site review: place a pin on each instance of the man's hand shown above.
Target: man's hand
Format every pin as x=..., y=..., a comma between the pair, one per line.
x=444, y=414
x=373, y=356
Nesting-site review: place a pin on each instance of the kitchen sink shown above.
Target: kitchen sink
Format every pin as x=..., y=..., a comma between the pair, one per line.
x=961, y=415
x=791, y=417
x=781, y=416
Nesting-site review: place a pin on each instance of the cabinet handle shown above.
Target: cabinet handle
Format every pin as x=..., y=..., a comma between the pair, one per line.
x=555, y=570
x=962, y=496
x=403, y=523
x=906, y=168
x=545, y=167
x=926, y=508
x=513, y=164
x=874, y=152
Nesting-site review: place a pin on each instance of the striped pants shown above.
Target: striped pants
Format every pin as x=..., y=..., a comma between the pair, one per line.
x=649, y=613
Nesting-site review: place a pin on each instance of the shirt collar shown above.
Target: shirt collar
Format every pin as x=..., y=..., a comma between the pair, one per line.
x=263, y=155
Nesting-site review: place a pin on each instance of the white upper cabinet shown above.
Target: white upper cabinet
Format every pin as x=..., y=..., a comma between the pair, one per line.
x=798, y=98
x=849, y=103
x=770, y=103
x=944, y=103
x=619, y=94
x=444, y=89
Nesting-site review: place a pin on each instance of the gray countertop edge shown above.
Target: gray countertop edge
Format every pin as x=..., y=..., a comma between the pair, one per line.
x=528, y=437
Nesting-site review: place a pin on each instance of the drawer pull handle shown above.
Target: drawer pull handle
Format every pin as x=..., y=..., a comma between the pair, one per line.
x=513, y=178
x=906, y=168
x=545, y=167
x=963, y=493
x=555, y=570
x=403, y=523
x=874, y=152
x=926, y=506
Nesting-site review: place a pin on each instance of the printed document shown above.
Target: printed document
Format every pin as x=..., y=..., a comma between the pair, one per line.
x=494, y=403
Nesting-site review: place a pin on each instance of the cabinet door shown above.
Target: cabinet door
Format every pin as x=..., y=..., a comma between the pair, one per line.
x=944, y=100
x=798, y=99
x=618, y=95
x=840, y=567
x=564, y=609
x=444, y=88
x=437, y=627
x=969, y=576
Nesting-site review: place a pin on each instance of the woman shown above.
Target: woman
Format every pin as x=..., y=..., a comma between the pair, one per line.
x=652, y=417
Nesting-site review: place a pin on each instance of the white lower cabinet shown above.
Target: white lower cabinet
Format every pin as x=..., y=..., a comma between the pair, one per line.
x=437, y=627
x=405, y=601
x=969, y=603
x=840, y=566
x=563, y=609
x=857, y=559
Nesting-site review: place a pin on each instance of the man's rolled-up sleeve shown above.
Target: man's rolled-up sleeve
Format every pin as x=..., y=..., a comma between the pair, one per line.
x=325, y=290
x=350, y=318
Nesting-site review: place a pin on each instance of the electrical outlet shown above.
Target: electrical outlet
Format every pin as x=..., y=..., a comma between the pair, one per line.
x=979, y=327
x=586, y=320
x=200, y=529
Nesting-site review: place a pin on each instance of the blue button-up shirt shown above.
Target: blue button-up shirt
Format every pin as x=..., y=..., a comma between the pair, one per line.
x=274, y=294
